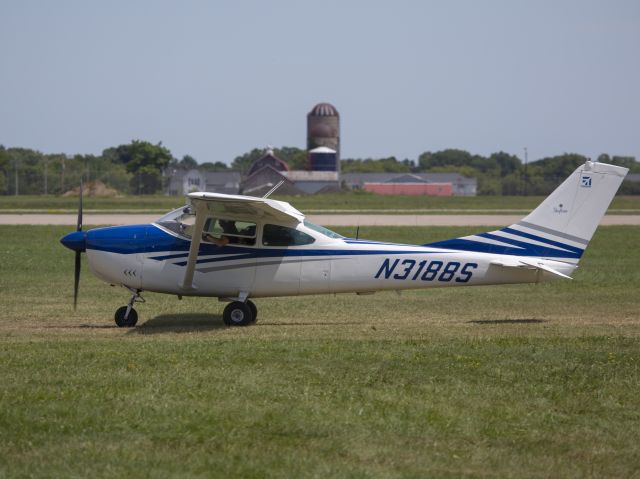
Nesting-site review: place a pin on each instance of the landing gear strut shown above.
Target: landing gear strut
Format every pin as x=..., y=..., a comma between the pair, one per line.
x=238, y=313
x=126, y=316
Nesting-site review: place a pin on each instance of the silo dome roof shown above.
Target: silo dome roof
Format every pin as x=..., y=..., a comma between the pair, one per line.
x=324, y=109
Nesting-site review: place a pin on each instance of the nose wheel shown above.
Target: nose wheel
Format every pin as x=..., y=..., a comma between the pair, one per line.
x=238, y=313
x=126, y=319
x=126, y=316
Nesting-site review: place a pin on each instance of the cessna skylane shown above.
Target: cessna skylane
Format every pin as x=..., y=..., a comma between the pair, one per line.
x=240, y=248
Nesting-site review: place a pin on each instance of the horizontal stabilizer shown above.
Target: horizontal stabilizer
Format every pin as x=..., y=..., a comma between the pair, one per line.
x=544, y=267
x=518, y=263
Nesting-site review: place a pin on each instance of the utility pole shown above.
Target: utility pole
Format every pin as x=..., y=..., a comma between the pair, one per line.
x=46, y=164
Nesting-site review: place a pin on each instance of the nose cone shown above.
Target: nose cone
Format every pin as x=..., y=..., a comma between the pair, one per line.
x=75, y=241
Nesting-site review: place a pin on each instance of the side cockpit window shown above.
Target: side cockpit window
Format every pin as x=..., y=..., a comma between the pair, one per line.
x=218, y=231
x=275, y=235
x=229, y=231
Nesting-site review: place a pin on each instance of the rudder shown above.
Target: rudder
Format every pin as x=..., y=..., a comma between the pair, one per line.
x=575, y=208
x=561, y=227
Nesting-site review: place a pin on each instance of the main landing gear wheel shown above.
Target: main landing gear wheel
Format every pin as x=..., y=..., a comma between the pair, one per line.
x=126, y=321
x=254, y=309
x=237, y=313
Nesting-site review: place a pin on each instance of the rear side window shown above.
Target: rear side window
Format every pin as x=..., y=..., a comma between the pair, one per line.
x=274, y=235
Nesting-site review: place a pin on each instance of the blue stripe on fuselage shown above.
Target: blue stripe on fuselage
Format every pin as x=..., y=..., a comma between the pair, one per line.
x=280, y=253
x=523, y=249
x=151, y=239
x=540, y=239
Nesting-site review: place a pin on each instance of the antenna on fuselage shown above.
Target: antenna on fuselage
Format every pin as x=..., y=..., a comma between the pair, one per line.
x=357, y=231
x=273, y=189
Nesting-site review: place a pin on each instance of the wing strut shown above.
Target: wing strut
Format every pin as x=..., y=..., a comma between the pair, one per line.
x=196, y=237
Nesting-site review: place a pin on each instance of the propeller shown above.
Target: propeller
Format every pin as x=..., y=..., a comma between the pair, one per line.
x=76, y=241
x=76, y=277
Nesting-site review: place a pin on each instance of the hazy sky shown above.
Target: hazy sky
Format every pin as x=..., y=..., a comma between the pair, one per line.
x=216, y=78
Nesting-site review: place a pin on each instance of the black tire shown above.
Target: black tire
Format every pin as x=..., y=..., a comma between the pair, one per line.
x=254, y=309
x=130, y=322
x=237, y=314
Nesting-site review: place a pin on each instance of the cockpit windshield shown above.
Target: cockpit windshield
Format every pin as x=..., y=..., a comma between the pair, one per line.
x=179, y=221
x=322, y=230
x=175, y=214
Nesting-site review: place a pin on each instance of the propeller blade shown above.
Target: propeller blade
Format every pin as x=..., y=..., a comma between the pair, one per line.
x=79, y=225
x=76, y=280
x=76, y=274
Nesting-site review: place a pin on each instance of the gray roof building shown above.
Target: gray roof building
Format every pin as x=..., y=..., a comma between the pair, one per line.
x=182, y=182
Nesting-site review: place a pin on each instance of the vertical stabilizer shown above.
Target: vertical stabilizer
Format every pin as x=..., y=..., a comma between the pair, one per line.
x=562, y=226
x=576, y=207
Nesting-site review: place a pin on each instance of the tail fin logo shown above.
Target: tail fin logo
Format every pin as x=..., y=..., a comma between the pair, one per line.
x=560, y=209
x=585, y=182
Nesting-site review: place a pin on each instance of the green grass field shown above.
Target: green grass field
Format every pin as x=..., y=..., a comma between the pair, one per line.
x=357, y=202
x=509, y=381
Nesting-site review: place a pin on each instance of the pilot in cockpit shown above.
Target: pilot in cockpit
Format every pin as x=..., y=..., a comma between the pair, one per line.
x=209, y=238
x=228, y=228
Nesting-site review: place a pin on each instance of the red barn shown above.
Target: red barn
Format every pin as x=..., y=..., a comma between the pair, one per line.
x=410, y=188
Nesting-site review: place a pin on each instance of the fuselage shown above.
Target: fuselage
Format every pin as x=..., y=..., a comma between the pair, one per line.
x=152, y=257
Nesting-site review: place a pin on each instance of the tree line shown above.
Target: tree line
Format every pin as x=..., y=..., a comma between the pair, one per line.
x=141, y=167
x=137, y=168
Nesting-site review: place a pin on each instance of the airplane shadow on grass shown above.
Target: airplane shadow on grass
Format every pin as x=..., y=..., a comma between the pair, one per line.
x=198, y=322
x=180, y=323
x=508, y=321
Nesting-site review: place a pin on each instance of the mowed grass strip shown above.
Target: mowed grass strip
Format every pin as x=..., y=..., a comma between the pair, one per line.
x=510, y=381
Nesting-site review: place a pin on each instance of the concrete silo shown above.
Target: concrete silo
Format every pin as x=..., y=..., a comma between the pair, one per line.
x=323, y=130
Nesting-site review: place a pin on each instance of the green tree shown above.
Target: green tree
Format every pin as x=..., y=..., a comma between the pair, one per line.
x=188, y=162
x=447, y=158
x=217, y=166
x=508, y=164
x=378, y=165
x=512, y=184
x=144, y=161
x=294, y=157
x=4, y=169
x=243, y=162
x=542, y=176
x=626, y=161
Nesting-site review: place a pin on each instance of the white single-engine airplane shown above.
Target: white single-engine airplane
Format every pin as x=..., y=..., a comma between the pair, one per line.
x=238, y=248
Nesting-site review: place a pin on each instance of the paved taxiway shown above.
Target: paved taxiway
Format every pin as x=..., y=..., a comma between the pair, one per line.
x=322, y=219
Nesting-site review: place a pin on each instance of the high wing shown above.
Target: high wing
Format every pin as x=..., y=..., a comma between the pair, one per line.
x=246, y=207
x=238, y=207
